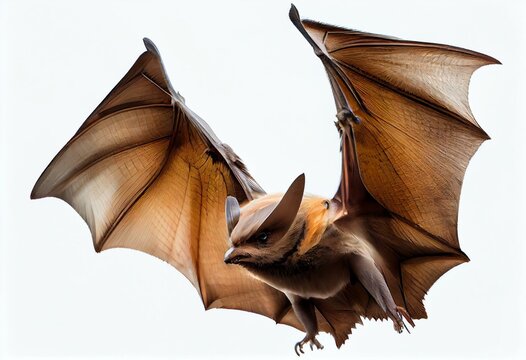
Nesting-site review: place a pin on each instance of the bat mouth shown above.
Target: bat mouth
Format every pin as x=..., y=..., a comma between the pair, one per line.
x=237, y=259
x=234, y=256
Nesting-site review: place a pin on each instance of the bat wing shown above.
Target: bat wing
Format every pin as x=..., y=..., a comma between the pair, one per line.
x=147, y=173
x=407, y=136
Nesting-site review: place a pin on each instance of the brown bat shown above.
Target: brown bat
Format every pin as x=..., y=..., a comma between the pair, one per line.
x=147, y=173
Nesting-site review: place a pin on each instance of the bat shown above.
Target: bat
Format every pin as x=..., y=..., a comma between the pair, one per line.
x=147, y=173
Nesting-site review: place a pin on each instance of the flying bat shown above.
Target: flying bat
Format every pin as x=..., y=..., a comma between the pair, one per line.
x=145, y=172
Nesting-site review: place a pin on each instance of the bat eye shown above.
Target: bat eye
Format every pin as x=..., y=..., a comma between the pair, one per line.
x=262, y=237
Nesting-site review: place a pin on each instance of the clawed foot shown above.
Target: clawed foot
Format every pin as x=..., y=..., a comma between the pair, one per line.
x=298, y=348
x=398, y=320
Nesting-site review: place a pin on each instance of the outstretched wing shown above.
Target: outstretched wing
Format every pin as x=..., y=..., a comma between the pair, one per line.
x=146, y=173
x=407, y=137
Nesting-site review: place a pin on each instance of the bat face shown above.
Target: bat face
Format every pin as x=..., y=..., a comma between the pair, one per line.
x=265, y=228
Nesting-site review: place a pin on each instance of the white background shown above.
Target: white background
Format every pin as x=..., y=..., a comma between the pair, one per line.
x=250, y=74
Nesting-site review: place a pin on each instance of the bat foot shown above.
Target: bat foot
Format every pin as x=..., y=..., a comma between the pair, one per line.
x=311, y=340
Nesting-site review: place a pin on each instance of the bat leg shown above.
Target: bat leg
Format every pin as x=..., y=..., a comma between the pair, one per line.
x=304, y=310
x=372, y=279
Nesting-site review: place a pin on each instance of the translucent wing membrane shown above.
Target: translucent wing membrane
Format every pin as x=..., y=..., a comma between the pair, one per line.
x=407, y=137
x=146, y=173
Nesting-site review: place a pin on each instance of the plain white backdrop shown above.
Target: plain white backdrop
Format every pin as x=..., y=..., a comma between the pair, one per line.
x=244, y=68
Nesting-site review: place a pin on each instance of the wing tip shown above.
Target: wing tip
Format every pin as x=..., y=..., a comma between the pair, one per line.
x=34, y=194
x=464, y=257
x=495, y=61
x=491, y=60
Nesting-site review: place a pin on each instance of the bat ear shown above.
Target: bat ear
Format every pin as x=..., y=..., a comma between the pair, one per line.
x=232, y=213
x=285, y=212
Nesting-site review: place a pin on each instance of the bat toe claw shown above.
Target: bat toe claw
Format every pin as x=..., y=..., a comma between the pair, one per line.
x=298, y=348
x=312, y=341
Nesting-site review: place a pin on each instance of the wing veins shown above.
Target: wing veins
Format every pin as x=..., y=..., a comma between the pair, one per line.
x=328, y=322
x=139, y=194
x=78, y=172
x=170, y=248
x=79, y=134
x=396, y=172
x=416, y=99
x=198, y=240
x=155, y=83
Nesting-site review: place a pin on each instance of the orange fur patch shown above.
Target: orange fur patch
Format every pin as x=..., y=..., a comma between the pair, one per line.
x=316, y=215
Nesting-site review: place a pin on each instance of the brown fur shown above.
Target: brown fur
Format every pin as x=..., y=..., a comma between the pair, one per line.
x=309, y=260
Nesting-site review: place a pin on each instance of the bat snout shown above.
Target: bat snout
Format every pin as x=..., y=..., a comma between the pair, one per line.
x=233, y=256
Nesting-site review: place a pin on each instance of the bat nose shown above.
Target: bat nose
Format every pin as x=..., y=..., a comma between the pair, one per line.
x=228, y=255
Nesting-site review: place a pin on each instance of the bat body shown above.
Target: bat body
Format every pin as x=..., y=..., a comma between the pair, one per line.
x=295, y=244
x=145, y=172
x=311, y=258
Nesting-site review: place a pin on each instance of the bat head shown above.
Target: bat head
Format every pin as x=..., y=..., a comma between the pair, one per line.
x=261, y=231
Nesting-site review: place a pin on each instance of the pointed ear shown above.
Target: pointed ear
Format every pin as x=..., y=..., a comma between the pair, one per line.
x=232, y=213
x=285, y=212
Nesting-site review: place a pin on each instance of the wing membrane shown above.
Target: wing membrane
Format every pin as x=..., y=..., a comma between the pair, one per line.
x=407, y=137
x=146, y=173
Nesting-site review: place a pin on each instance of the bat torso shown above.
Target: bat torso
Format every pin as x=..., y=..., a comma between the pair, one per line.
x=320, y=279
